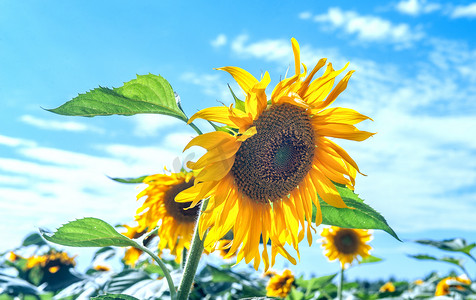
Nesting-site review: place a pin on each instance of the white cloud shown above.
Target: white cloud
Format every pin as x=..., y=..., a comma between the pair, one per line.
x=219, y=41
x=49, y=186
x=369, y=28
x=305, y=15
x=214, y=85
x=416, y=7
x=147, y=125
x=15, y=142
x=464, y=11
x=58, y=125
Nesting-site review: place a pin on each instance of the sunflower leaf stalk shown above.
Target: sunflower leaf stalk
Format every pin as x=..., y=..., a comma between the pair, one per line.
x=193, y=258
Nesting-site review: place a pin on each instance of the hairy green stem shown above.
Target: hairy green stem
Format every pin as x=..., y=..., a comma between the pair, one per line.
x=341, y=283
x=197, y=130
x=184, y=258
x=161, y=264
x=193, y=259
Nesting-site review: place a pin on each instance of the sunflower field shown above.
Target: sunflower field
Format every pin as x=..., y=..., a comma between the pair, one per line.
x=271, y=178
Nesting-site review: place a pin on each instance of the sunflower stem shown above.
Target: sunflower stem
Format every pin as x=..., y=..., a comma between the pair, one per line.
x=341, y=283
x=184, y=258
x=161, y=264
x=193, y=259
x=197, y=130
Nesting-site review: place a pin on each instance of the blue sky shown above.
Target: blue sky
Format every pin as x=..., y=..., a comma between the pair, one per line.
x=414, y=63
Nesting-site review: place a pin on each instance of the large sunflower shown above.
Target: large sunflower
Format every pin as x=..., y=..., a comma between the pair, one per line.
x=346, y=244
x=263, y=175
x=176, y=224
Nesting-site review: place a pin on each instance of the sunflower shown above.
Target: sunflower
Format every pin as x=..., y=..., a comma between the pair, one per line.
x=387, y=287
x=264, y=174
x=345, y=244
x=52, y=262
x=443, y=287
x=176, y=224
x=280, y=285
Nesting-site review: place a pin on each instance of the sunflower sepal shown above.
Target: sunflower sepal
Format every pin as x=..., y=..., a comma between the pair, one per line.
x=139, y=179
x=239, y=104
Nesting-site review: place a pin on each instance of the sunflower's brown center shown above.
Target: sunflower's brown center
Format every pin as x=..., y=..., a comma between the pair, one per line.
x=271, y=163
x=346, y=241
x=177, y=209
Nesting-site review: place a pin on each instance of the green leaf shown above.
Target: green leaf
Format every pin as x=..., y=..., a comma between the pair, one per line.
x=451, y=260
x=454, y=245
x=124, y=280
x=295, y=295
x=362, y=216
x=370, y=259
x=33, y=239
x=129, y=180
x=150, y=94
x=315, y=284
x=87, y=232
x=114, y=297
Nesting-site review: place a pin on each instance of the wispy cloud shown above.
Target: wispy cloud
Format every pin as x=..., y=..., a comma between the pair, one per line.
x=416, y=7
x=58, y=125
x=464, y=11
x=214, y=85
x=368, y=28
x=219, y=41
x=47, y=186
x=148, y=125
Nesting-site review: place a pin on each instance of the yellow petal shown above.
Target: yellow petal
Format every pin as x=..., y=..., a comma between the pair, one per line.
x=244, y=79
x=343, y=131
x=297, y=59
x=217, y=170
x=210, y=140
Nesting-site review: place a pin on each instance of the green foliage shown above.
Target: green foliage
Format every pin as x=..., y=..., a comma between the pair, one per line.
x=114, y=297
x=315, y=284
x=150, y=94
x=87, y=232
x=453, y=245
x=33, y=239
x=360, y=215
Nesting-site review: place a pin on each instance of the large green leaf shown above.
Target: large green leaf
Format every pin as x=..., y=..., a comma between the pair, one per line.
x=87, y=232
x=150, y=94
x=361, y=216
x=454, y=245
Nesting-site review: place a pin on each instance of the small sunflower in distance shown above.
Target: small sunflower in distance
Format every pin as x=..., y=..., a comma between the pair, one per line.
x=388, y=287
x=51, y=262
x=345, y=244
x=444, y=286
x=280, y=285
x=263, y=175
x=176, y=223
